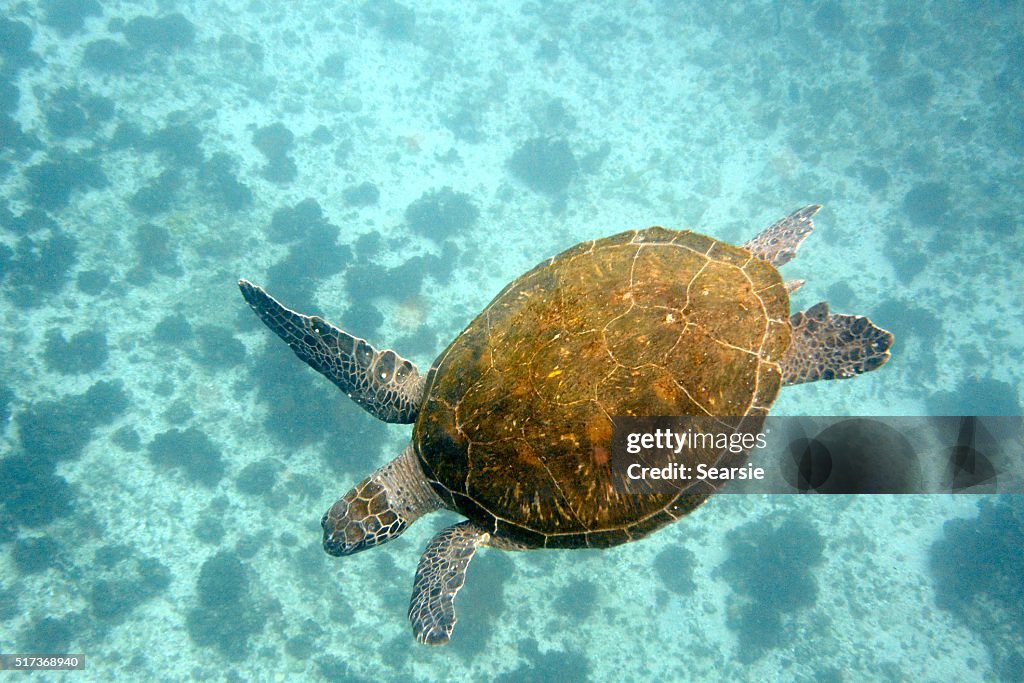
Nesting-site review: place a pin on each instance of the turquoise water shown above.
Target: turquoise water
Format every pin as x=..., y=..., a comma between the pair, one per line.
x=391, y=166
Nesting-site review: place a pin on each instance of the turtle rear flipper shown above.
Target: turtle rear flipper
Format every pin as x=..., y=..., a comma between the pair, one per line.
x=439, y=576
x=386, y=385
x=832, y=346
x=777, y=244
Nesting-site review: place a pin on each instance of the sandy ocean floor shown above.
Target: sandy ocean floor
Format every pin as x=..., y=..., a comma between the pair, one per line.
x=165, y=460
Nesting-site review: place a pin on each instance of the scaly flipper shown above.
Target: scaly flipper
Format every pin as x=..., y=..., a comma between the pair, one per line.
x=832, y=346
x=380, y=507
x=386, y=385
x=777, y=244
x=439, y=576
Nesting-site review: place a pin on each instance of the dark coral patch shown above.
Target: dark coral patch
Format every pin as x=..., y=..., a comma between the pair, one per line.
x=85, y=351
x=217, y=179
x=52, y=182
x=770, y=570
x=442, y=213
x=363, y=194
x=108, y=56
x=190, y=450
x=258, y=478
x=927, y=203
x=165, y=34
x=979, y=577
x=219, y=349
x=544, y=165
x=275, y=141
x=59, y=430
x=293, y=223
x=16, y=43
x=674, y=566
x=31, y=493
x=32, y=555
x=68, y=16
x=227, y=615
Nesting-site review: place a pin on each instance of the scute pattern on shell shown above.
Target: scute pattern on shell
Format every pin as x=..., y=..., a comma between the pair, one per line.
x=515, y=430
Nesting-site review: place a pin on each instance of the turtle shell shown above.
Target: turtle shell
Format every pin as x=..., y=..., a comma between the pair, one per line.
x=515, y=430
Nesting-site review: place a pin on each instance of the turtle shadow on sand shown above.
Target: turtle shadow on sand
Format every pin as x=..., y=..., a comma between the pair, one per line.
x=513, y=422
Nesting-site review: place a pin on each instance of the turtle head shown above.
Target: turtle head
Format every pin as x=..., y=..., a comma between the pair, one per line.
x=379, y=508
x=361, y=519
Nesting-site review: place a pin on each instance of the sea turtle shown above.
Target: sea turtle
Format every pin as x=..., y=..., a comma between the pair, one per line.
x=513, y=421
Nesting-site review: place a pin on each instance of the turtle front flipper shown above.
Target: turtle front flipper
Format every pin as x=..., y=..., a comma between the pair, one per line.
x=439, y=576
x=832, y=346
x=386, y=385
x=777, y=244
x=380, y=507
